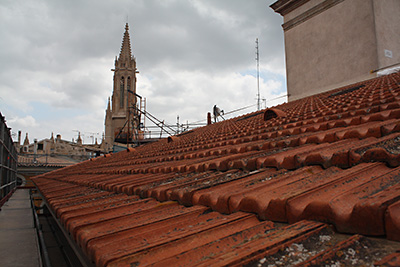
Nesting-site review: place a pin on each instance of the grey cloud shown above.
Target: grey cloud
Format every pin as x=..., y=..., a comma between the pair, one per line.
x=67, y=48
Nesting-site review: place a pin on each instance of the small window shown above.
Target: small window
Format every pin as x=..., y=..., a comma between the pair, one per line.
x=121, y=92
x=40, y=146
x=269, y=114
x=273, y=113
x=128, y=88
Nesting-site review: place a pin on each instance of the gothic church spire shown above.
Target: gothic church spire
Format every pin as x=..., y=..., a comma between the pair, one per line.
x=125, y=53
x=120, y=120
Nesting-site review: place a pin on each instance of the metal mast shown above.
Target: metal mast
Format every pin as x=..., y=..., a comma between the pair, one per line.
x=258, y=76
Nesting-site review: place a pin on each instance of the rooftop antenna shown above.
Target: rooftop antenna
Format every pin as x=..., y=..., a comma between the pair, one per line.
x=177, y=124
x=258, y=75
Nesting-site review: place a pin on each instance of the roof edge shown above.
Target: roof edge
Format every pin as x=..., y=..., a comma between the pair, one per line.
x=284, y=7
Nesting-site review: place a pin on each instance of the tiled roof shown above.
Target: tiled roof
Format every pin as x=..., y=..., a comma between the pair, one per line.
x=218, y=195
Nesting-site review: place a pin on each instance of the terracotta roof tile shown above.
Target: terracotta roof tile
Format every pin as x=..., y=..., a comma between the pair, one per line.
x=344, y=252
x=392, y=221
x=254, y=242
x=199, y=199
x=390, y=260
x=228, y=227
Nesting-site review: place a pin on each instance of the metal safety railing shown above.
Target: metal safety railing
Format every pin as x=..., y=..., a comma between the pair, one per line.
x=8, y=161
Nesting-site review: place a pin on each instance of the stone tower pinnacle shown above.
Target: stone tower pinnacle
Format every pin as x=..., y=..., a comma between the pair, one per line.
x=122, y=120
x=125, y=53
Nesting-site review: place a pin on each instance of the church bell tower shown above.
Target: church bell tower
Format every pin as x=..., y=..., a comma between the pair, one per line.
x=122, y=120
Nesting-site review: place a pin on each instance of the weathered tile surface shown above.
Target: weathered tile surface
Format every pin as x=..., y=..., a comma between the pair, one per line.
x=217, y=195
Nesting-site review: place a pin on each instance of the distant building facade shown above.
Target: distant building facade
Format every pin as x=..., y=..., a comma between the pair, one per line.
x=77, y=151
x=50, y=154
x=331, y=43
x=122, y=119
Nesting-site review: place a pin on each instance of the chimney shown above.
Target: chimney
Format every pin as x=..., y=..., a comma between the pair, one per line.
x=208, y=118
x=19, y=137
x=35, y=150
x=35, y=146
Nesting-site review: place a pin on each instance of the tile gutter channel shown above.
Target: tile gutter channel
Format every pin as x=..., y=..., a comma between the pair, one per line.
x=44, y=255
x=84, y=260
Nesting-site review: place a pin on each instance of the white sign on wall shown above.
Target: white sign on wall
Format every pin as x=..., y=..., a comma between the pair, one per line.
x=388, y=53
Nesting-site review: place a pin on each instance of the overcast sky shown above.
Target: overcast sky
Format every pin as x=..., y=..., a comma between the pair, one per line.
x=56, y=56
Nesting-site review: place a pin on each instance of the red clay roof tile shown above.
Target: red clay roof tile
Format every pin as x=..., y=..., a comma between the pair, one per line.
x=390, y=260
x=344, y=252
x=172, y=248
x=331, y=157
x=392, y=221
x=131, y=241
x=242, y=246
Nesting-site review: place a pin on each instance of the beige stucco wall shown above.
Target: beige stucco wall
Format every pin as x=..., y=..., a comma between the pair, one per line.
x=333, y=48
x=387, y=24
x=301, y=9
